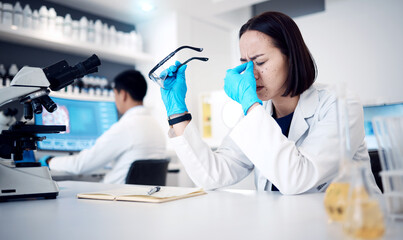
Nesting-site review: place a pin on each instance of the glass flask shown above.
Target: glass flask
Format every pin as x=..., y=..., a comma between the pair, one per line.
x=336, y=197
x=363, y=216
x=335, y=200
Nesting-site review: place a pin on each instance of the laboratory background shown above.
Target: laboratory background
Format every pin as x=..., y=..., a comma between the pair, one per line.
x=357, y=43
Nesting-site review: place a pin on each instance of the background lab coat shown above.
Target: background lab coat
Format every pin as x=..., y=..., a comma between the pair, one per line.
x=135, y=136
x=305, y=162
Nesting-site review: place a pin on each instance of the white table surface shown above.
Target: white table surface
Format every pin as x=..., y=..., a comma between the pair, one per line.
x=229, y=214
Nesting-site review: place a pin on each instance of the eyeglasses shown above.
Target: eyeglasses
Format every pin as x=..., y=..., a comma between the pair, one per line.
x=158, y=74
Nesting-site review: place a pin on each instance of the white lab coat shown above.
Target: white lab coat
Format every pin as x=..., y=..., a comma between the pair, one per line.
x=306, y=161
x=135, y=136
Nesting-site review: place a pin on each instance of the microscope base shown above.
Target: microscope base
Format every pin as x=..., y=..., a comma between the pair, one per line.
x=26, y=182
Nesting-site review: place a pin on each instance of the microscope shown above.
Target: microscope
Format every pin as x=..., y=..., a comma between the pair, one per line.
x=31, y=87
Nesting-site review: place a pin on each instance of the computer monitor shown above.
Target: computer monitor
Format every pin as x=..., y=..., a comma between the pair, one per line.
x=85, y=121
x=370, y=112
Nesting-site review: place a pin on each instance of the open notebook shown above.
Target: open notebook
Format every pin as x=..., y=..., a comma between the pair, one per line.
x=139, y=194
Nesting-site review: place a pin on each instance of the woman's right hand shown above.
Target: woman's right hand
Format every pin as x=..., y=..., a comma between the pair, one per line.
x=174, y=92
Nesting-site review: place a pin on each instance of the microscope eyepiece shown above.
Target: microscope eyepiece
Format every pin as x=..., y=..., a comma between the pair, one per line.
x=90, y=65
x=61, y=74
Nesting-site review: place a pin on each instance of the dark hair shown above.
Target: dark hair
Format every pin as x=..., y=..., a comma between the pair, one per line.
x=287, y=37
x=133, y=82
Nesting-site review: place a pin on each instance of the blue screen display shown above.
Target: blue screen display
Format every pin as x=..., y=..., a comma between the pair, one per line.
x=85, y=121
x=374, y=111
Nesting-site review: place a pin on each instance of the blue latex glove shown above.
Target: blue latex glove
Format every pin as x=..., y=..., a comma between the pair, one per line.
x=43, y=160
x=241, y=87
x=174, y=92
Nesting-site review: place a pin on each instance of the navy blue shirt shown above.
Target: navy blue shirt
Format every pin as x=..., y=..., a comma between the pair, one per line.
x=284, y=123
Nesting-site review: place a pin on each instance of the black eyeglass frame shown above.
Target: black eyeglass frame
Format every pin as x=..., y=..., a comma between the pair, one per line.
x=172, y=54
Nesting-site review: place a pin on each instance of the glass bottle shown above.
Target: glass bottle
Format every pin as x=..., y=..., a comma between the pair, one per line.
x=363, y=216
x=335, y=200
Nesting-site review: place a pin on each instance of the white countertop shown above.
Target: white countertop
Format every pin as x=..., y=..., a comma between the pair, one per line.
x=229, y=214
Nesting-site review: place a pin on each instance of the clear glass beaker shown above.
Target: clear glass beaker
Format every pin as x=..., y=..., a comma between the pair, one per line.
x=335, y=200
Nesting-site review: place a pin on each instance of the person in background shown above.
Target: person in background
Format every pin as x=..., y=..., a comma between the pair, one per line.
x=288, y=134
x=135, y=136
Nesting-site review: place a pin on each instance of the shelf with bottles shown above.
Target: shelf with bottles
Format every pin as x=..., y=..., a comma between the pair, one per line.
x=43, y=28
x=89, y=88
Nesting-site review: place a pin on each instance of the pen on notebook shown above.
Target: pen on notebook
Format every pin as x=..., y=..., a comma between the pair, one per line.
x=154, y=190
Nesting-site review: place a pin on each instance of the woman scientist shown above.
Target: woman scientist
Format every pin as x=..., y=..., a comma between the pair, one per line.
x=289, y=132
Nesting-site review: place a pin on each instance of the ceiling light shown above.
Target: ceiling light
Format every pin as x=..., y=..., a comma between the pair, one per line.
x=146, y=7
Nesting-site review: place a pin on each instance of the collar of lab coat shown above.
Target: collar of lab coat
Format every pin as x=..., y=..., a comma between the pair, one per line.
x=306, y=107
x=139, y=110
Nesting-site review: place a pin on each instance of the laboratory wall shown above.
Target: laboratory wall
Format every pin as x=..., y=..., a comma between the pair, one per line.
x=359, y=42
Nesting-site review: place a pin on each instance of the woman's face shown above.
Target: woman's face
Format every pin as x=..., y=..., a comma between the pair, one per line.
x=270, y=66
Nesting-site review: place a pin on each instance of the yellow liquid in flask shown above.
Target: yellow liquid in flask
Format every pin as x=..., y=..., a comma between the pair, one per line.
x=336, y=200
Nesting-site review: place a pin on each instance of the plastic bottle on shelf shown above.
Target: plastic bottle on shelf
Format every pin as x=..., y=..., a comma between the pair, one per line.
x=52, y=20
x=128, y=40
x=126, y=37
x=7, y=81
x=59, y=25
x=75, y=33
x=1, y=13
x=111, y=94
x=105, y=34
x=78, y=86
x=104, y=84
x=2, y=75
x=85, y=86
x=17, y=15
x=139, y=43
x=12, y=71
x=7, y=14
x=98, y=92
x=83, y=29
x=27, y=17
x=35, y=20
x=67, y=26
x=69, y=89
x=91, y=31
x=119, y=39
x=112, y=36
x=91, y=90
x=98, y=32
x=43, y=18
x=76, y=90
x=133, y=41
x=98, y=86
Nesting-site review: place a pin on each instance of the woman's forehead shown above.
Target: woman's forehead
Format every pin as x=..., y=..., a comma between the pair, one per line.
x=253, y=43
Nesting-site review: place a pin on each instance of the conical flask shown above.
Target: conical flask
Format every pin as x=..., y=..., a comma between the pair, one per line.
x=336, y=194
x=363, y=217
